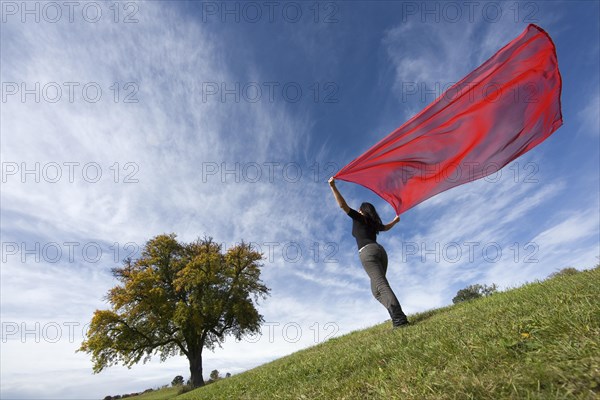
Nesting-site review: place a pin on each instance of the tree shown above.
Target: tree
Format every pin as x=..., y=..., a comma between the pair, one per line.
x=177, y=299
x=473, y=292
x=177, y=381
x=564, y=272
x=214, y=375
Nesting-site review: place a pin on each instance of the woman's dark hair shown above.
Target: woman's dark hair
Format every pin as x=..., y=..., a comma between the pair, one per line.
x=371, y=216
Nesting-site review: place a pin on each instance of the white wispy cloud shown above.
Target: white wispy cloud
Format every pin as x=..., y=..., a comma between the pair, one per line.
x=170, y=136
x=590, y=117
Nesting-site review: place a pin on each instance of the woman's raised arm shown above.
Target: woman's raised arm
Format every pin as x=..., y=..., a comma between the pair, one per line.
x=391, y=224
x=338, y=196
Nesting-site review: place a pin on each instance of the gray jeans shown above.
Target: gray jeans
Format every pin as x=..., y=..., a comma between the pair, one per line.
x=374, y=260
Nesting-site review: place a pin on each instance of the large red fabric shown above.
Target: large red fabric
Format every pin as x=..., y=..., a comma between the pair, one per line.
x=501, y=110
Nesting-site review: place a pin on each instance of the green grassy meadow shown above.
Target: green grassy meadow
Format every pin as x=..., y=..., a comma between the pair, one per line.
x=539, y=341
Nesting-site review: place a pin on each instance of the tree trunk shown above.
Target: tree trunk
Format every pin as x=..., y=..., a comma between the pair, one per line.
x=195, y=359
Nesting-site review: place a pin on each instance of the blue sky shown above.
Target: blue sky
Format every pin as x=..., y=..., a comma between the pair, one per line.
x=122, y=121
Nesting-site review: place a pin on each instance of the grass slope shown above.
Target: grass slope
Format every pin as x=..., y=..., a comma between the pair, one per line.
x=539, y=341
x=161, y=394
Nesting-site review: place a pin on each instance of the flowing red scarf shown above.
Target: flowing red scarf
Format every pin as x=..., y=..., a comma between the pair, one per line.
x=499, y=111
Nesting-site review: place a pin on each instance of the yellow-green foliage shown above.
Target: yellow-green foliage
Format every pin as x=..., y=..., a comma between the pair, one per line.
x=176, y=299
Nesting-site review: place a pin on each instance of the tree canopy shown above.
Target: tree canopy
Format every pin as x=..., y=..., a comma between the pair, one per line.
x=474, y=292
x=177, y=299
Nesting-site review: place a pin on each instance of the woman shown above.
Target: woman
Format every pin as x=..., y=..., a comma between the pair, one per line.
x=366, y=224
